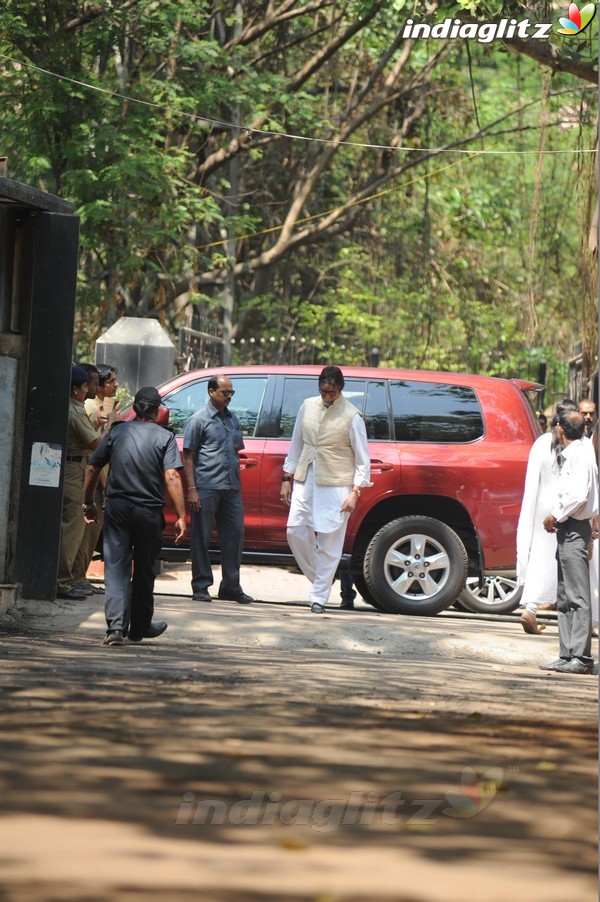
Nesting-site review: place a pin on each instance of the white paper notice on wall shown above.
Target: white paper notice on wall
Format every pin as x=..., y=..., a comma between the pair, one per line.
x=45, y=464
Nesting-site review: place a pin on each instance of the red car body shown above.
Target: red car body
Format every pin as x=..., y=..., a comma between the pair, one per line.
x=472, y=485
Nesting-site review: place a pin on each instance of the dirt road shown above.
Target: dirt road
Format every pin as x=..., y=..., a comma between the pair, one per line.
x=264, y=753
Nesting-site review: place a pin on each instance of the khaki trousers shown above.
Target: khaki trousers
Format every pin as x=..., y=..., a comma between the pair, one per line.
x=89, y=541
x=72, y=526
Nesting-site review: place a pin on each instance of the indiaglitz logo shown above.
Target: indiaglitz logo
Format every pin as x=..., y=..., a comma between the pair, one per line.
x=578, y=19
x=476, y=792
x=483, y=32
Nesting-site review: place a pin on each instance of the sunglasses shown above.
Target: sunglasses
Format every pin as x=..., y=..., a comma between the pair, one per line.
x=329, y=391
x=227, y=393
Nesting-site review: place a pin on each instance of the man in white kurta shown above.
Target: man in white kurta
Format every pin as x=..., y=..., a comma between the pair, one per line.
x=536, y=549
x=329, y=459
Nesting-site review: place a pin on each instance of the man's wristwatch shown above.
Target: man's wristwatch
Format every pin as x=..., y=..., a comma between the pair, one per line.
x=86, y=507
x=286, y=478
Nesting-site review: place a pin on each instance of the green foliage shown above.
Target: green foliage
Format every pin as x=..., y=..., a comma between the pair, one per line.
x=185, y=130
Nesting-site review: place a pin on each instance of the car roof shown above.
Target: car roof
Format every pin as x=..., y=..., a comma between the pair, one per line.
x=350, y=372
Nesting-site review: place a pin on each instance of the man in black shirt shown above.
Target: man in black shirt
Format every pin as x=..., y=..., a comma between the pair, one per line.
x=143, y=456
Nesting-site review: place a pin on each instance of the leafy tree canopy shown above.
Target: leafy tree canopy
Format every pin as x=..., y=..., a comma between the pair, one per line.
x=306, y=171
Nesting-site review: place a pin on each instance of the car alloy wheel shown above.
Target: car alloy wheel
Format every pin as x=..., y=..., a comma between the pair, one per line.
x=498, y=595
x=415, y=565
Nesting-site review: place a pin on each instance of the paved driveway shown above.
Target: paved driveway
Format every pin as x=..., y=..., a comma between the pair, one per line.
x=266, y=753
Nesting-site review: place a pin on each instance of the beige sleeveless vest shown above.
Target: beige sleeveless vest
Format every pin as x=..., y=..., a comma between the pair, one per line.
x=326, y=442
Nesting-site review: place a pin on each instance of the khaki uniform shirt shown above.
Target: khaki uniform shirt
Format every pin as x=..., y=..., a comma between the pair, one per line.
x=80, y=433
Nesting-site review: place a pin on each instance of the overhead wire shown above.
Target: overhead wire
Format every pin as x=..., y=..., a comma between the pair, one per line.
x=249, y=131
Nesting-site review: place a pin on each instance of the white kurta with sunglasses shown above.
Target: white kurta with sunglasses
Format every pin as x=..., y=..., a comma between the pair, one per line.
x=316, y=525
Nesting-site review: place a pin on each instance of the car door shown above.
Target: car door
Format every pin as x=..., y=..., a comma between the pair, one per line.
x=371, y=399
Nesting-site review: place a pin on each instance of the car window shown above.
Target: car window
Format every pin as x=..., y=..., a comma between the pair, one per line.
x=375, y=412
x=298, y=389
x=370, y=398
x=246, y=403
x=185, y=401
x=295, y=391
x=432, y=412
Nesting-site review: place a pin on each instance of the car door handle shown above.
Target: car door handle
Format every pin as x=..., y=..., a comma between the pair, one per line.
x=247, y=462
x=378, y=466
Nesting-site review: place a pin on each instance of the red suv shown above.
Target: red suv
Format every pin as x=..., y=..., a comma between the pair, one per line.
x=448, y=459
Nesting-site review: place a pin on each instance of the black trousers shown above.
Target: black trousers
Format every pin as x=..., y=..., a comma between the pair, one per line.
x=132, y=534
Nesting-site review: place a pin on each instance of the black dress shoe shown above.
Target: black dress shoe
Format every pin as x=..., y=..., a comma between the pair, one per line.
x=347, y=604
x=575, y=665
x=154, y=630
x=555, y=665
x=201, y=596
x=241, y=598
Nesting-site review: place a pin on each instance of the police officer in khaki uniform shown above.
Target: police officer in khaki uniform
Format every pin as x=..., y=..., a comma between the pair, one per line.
x=81, y=441
x=102, y=410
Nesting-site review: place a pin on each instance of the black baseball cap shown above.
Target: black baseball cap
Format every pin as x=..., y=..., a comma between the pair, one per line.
x=148, y=394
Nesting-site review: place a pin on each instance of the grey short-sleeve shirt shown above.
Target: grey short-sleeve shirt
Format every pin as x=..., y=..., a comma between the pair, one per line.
x=214, y=438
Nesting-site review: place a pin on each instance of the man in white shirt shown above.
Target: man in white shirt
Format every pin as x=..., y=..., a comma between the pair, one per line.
x=329, y=459
x=575, y=506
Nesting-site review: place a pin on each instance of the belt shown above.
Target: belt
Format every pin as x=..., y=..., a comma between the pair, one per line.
x=75, y=459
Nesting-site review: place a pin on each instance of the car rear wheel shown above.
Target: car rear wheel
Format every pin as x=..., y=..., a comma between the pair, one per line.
x=499, y=595
x=415, y=565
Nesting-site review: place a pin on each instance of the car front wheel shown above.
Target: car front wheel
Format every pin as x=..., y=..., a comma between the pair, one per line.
x=415, y=565
x=499, y=595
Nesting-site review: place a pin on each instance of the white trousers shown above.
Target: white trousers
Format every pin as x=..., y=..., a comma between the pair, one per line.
x=318, y=555
x=316, y=531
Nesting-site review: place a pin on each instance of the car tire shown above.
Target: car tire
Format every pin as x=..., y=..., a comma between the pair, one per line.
x=415, y=565
x=499, y=595
x=365, y=593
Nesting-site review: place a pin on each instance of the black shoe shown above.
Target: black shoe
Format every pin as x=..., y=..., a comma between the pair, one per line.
x=201, y=596
x=347, y=604
x=575, y=665
x=113, y=638
x=241, y=598
x=154, y=630
x=555, y=665
x=73, y=594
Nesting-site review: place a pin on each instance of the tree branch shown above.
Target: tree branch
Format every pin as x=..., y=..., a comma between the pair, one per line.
x=549, y=55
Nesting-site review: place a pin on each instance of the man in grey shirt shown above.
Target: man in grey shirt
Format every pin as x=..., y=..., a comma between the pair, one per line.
x=211, y=442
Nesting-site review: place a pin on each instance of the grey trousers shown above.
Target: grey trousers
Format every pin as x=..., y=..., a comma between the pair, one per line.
x=224, y=509
x=573, y=602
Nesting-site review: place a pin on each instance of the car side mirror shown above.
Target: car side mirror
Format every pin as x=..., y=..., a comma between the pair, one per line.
x=163, y=416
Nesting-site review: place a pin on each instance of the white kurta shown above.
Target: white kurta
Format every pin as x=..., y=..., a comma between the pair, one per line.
x=536, y=549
